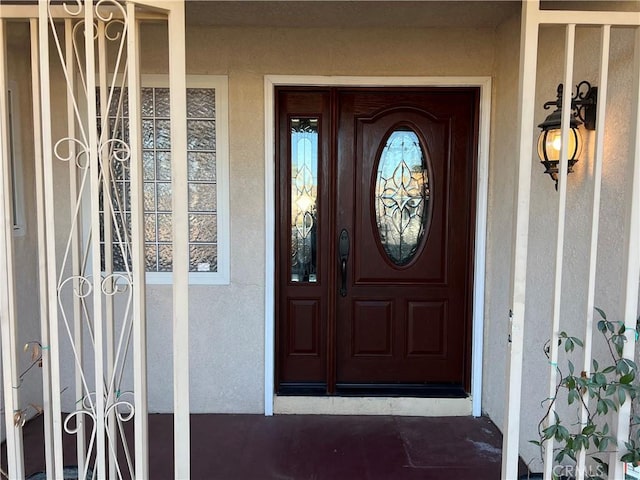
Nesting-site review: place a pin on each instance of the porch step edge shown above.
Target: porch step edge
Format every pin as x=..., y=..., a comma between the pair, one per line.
x=400, y=406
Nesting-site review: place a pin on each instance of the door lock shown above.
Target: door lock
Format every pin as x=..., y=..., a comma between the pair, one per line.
x=343, y=252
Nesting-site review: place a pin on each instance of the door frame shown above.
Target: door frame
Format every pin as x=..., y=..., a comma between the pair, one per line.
x=482, y=189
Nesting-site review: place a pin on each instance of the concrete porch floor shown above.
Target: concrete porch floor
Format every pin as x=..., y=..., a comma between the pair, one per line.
x=314, y=447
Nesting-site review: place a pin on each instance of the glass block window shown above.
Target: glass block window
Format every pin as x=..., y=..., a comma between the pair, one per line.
x=201, y=159
x=204, y=169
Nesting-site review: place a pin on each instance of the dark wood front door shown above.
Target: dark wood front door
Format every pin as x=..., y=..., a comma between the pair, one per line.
x=376, y=192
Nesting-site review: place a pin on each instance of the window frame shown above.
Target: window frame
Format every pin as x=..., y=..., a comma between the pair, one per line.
x=15, y=162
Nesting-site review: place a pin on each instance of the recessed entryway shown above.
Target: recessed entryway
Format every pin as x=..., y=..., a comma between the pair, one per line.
x=375, y=234
x=483, y=84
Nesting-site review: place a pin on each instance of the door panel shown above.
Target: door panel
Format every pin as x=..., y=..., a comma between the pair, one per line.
x=390, y=310
x=426, y=328
x=371, y=328
x=302, y=266
x=426, y=300
x=304, y=327
x=357, y=176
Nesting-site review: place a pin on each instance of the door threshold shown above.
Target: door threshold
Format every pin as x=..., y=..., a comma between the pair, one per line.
x=400, y=406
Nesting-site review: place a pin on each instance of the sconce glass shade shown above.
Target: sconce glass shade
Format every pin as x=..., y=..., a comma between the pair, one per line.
x=550, y=143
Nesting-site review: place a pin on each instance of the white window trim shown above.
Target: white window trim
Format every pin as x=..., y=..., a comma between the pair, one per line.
x=221, y=85
x=15, y=143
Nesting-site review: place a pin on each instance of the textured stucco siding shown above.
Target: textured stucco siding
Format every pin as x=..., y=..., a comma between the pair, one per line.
x=227, y=322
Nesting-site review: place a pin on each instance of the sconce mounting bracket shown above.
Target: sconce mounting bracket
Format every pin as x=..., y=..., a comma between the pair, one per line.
x=583, y=103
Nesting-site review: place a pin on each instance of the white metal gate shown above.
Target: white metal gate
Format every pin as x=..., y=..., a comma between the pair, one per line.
x=93, y=315
x=533, y=17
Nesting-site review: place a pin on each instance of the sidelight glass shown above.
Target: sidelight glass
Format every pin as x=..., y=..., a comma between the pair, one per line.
x=304, y=199
x=402, y=196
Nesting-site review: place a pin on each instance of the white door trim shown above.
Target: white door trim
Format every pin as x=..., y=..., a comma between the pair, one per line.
x=270, y=82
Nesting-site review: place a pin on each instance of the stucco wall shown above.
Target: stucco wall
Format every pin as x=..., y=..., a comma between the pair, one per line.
x=227, y=322
x=614, y=214
x=543, y=219
x=502, y=168
x=25, y=244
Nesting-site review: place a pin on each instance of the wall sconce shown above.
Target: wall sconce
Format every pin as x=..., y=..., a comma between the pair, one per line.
x=583, y=111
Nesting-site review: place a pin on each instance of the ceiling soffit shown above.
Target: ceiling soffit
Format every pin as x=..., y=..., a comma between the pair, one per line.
x=350, y=14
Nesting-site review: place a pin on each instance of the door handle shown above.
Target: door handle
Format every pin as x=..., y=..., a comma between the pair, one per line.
x=343, y=252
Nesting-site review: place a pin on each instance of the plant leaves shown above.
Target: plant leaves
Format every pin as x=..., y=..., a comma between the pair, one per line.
x=602, y=408
x=572, y=396
x=604, y=443
x=628, y=457
x=562, y=433
x=622, y=396
x=568, y=345
x=622, y=367
x=628, y=378
x=580, y=443
x=549, y=432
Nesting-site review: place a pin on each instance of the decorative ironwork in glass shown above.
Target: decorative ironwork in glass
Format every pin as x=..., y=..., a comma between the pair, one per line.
x=402, y=196
x=201, y=158
x=304, y=199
